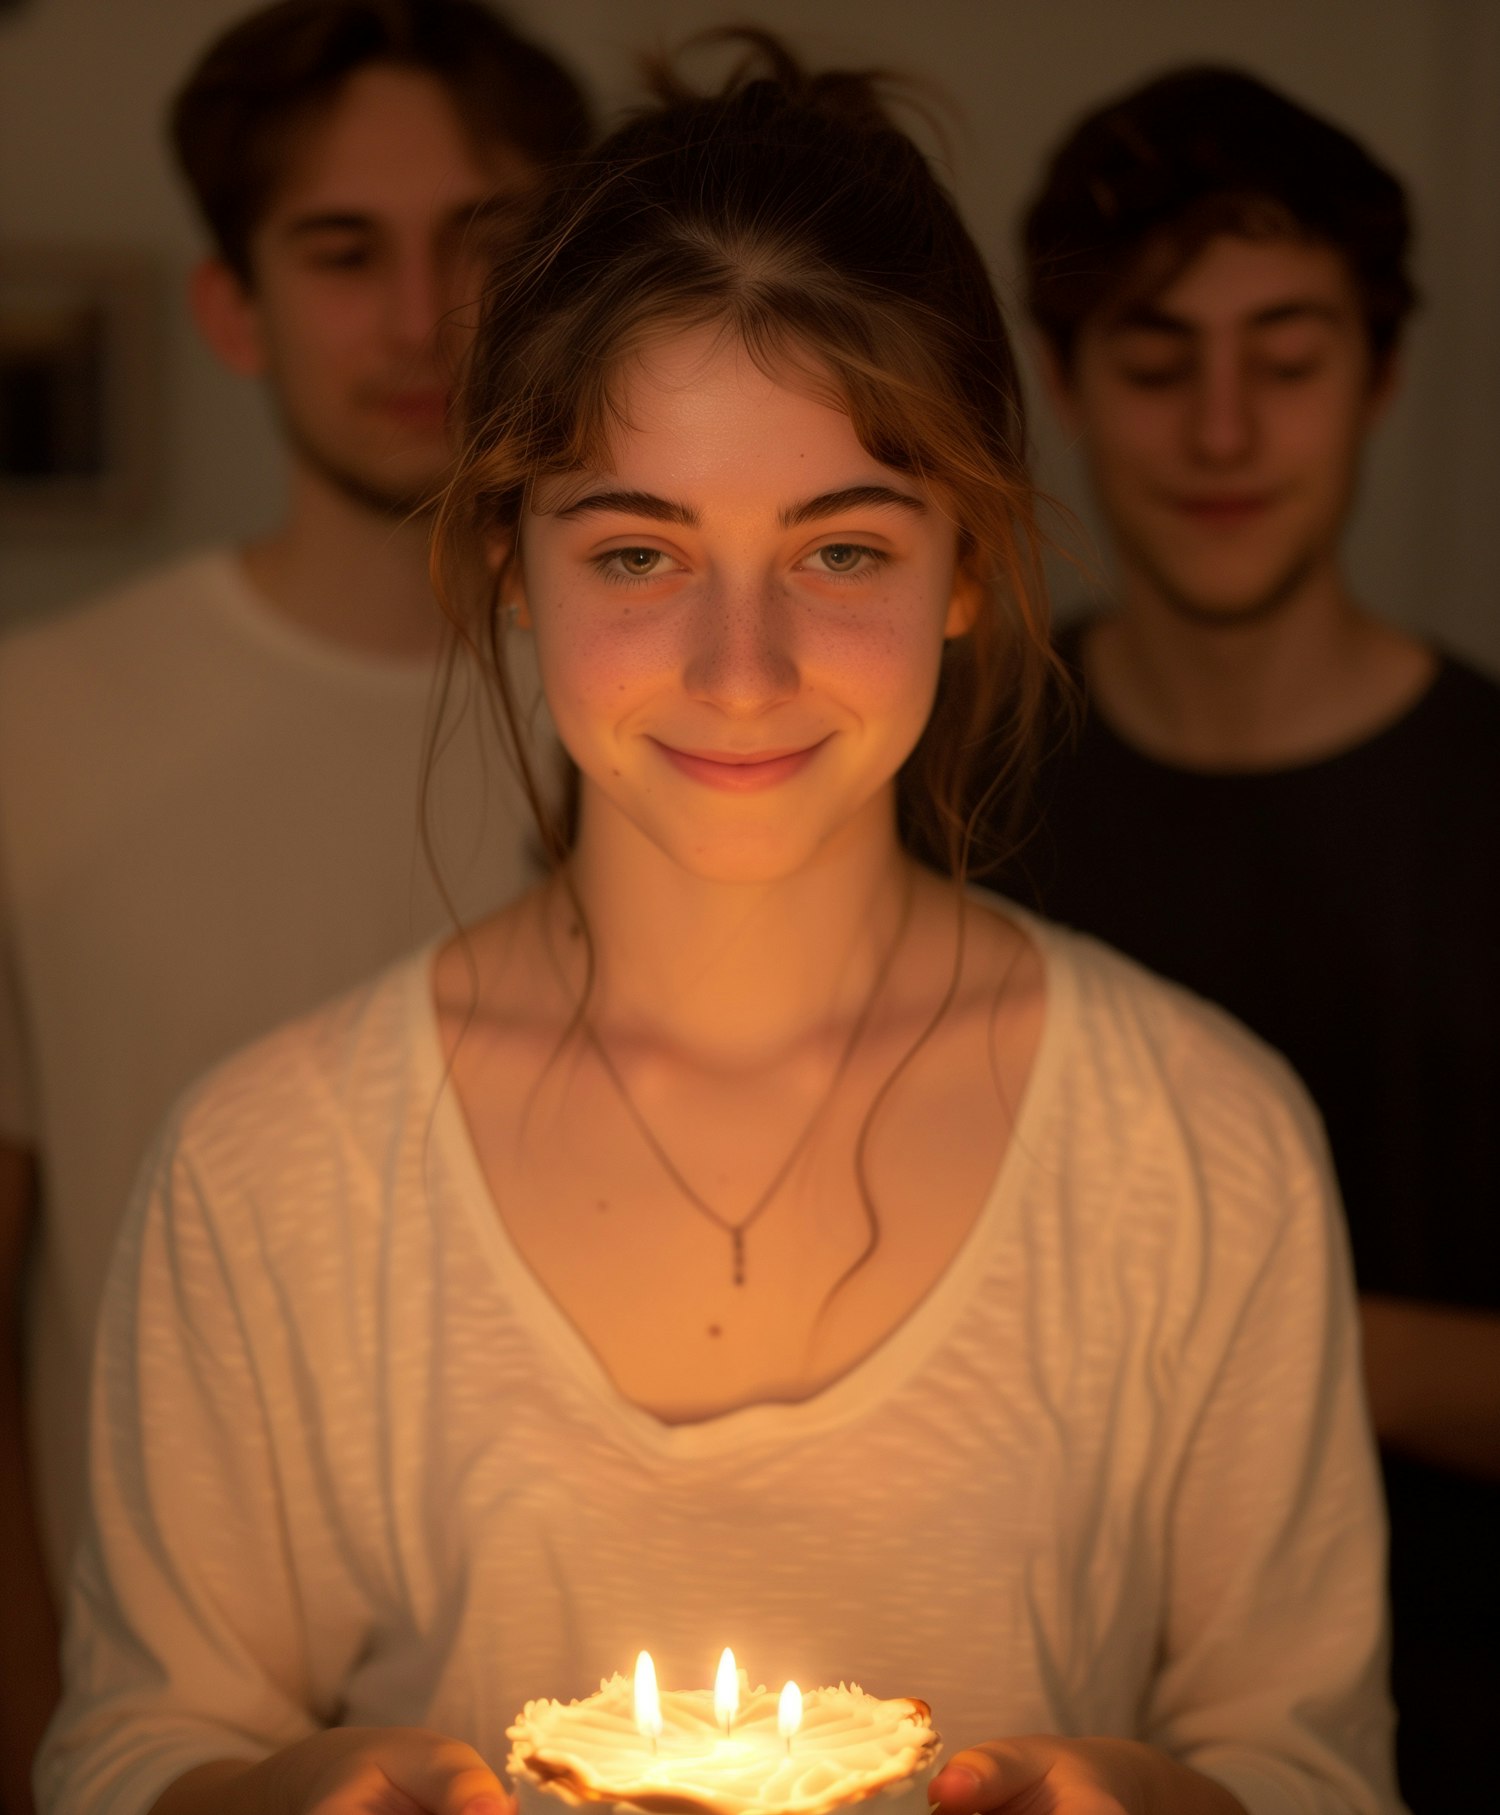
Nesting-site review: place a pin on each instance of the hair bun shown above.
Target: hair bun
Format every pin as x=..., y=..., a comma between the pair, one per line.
x=767, y=77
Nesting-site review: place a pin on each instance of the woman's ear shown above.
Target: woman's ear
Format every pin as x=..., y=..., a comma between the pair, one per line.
x=227, y=317
x=964, y=603
x=502, y=558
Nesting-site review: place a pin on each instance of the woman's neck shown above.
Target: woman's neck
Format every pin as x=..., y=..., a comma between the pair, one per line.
x=736, y=974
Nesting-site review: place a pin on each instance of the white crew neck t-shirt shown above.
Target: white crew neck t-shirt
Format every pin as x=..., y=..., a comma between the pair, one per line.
x=1112, y=1476
x=208, y=823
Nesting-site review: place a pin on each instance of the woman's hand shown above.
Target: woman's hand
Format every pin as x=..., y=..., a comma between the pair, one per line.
x=1042, y=1774
x=348, y=1771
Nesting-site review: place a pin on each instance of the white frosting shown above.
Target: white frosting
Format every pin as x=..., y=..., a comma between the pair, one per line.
x=851, y=1746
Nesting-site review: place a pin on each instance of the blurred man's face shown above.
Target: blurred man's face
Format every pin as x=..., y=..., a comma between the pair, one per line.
x=365, y=271
x=1223, y=422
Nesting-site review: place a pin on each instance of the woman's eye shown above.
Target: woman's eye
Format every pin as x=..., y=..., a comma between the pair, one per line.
x=847, y=557
x=631, y=563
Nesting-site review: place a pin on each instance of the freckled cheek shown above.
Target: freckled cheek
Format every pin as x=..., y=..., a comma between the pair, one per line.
x=878, y=661
x=597, y=668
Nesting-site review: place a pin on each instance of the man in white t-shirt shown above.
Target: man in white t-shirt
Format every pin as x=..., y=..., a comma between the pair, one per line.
x=210, y=780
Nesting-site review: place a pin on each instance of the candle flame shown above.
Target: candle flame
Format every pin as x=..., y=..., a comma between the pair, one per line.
x=726, y=1691
x=789, y=1712
x=647, y=1701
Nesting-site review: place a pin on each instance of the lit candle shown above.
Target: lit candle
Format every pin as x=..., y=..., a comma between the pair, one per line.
x=647, y=1700
x=850, y=1748
x=789, y=1714
x=726, y=1691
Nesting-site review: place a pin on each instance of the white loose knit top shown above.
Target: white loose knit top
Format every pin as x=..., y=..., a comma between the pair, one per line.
x=1112, y=1476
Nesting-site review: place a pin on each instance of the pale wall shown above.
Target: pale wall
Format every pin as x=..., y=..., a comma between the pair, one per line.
x=82, y=84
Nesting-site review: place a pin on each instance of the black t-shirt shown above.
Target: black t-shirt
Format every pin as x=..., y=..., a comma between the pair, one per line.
x=1348, y=911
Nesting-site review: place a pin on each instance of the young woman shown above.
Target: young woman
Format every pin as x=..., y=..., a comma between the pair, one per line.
x=750, y=1236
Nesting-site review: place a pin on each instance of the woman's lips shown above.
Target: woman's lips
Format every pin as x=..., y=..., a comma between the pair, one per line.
x=740, y=771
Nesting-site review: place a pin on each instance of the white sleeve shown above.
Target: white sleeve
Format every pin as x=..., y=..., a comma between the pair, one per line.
x=186, y=1641
x=1274, y=1649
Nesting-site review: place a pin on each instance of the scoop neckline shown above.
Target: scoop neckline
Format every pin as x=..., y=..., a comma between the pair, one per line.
x=874, y=1377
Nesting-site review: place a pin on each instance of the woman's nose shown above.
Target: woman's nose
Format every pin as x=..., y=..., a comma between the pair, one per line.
x=740, y=655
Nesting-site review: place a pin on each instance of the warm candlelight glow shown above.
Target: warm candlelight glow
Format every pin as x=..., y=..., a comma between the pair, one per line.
x=647, y=1701
x=829, y=1751
x=726, y=1691
x=789, y=1713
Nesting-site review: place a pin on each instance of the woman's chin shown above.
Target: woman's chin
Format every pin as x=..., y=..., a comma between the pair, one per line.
x=743, y=841
x=744, y=867
x=753, y=855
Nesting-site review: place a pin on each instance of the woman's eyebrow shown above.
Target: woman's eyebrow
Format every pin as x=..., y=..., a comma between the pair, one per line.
x=666, y=510
x=630, y=504
x=851, y=497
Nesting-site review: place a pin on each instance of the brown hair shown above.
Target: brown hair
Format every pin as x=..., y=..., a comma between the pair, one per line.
x=788, y=209
x=237, y=116
x=1141, y=184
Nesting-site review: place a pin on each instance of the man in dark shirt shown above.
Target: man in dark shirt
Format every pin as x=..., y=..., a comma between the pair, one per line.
x=1276, y=798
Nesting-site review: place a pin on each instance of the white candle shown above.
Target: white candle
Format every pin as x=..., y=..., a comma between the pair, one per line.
x=647, y=1700
x=726, y=1691
x=849, y=1748
x=789, y=1714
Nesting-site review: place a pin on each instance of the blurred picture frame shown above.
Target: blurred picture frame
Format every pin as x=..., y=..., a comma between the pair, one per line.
x=79, y=384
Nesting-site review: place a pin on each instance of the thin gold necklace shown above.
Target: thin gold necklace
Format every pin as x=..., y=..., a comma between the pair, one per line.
x=737, y=1231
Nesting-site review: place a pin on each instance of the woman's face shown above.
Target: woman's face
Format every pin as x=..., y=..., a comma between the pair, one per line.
x=738, y=622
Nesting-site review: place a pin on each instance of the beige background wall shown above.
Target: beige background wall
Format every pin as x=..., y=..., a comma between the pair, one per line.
x=82, y=85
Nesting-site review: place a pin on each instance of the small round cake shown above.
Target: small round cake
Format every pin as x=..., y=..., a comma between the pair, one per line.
x=850, y=1748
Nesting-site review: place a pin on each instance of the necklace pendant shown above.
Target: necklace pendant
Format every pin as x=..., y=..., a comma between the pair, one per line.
x=737, y=1237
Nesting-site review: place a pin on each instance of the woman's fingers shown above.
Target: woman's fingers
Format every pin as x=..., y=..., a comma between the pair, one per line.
x=1038, y=1774
x=401, y=1770
x=987, y=1777
x=444, y=1776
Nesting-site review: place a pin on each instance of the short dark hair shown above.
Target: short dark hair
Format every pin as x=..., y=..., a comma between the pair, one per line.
x=234, y=120
x=1197, y=152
